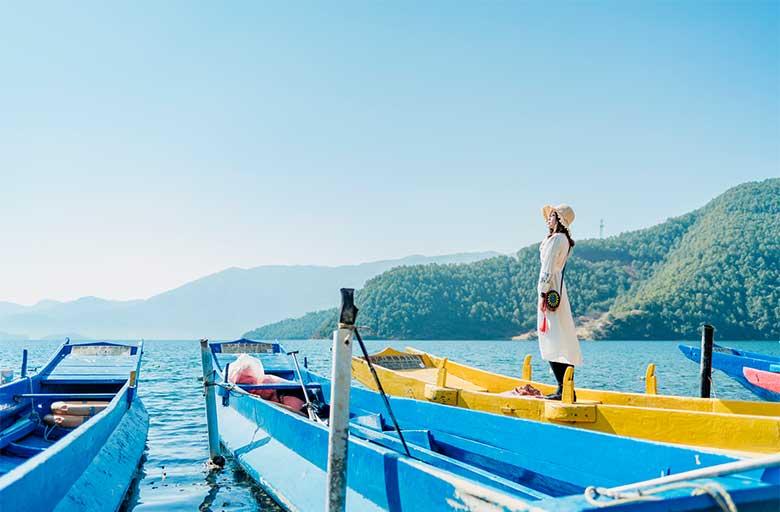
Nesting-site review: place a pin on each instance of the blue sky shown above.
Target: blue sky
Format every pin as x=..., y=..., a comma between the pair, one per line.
x=144, y=144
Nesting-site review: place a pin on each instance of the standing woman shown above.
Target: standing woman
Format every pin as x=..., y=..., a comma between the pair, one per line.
x=558, y=341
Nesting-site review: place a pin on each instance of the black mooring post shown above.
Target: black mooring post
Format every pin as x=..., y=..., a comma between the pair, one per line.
x=349, y=311
x=705, y=368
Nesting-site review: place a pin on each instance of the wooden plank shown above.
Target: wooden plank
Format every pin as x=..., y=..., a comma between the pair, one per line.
x=399, y=361
x=429, y=375
x=101, y=350
x=16, y=431
x=247, y=348
x=278, y=386
x=110, y=379
x=66, y=395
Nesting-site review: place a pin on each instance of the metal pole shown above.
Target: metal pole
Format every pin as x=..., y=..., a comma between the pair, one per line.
x=226, y=396
x=705, y=368
x=24, y=363
x=211, y=403
x=310, y=410
x=382, y=390
x=341, y=377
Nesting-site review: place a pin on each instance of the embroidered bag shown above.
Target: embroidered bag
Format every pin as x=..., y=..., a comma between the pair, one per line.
x=553, y=298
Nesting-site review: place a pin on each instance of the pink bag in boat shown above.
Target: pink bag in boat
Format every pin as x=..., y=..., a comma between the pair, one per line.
x=249, y=370
x=246, y=370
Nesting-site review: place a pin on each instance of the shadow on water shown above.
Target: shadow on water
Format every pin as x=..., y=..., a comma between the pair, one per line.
x=236, y=477
x=212, y=482
x=261, y=497
x=134, y=491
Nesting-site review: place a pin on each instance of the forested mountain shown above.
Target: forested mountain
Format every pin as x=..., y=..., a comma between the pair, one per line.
x=719, y=264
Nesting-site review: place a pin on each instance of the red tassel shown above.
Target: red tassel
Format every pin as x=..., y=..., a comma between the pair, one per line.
x=544, y=325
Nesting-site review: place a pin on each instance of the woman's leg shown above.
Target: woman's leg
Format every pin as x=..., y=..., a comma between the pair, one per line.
x=559, y=370
x=556, y=369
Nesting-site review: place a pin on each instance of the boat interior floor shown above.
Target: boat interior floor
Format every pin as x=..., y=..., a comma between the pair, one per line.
x=25, y=439
x=430, y=375
x=484, y=463
x=25, y=434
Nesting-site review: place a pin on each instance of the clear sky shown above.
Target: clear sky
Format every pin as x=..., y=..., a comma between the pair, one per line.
x=145, y=144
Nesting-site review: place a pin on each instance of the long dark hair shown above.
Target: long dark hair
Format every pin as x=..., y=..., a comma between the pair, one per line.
x=560, y=228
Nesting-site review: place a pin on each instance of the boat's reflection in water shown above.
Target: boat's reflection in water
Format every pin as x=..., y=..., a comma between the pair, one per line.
x=134, y=492
x=237, y=478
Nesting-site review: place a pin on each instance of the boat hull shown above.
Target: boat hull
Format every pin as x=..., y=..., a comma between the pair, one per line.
x=618, y=413
x=458, y=459
x=603, y=460
x=731, y=362
x=94, y=465
x=287, y=455
x=765, y=380
x=107, y=480
x=47, y=467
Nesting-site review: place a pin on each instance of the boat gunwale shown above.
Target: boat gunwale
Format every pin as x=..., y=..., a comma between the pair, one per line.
x=732, y=365
x=640, y=396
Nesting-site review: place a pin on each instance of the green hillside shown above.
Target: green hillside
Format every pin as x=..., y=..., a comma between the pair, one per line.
x=726, y=271
x=718, y=264
x=301, y=328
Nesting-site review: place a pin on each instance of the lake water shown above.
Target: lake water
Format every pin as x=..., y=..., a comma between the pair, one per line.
x=174, y=477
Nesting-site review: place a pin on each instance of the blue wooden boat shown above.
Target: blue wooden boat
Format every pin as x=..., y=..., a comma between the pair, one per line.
x=459, y=459
x=47, y=465
x=731, y=361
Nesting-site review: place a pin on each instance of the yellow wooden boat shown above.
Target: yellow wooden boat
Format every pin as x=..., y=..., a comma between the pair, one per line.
x=727, y=425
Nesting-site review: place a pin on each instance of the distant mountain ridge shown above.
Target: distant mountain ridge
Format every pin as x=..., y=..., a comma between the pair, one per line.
x=220, y=305
x=719, y=264
x=4, y=336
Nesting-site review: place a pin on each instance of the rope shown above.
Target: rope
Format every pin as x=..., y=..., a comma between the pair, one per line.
x=715, y=490
x=33, y=412
x=233, y=388
x=713, y=393
x=48, y=430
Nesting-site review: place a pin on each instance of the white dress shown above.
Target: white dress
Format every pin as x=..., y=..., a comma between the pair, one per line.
x=559, y=343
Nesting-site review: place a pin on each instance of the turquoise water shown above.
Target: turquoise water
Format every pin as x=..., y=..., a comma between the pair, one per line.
x=174, y=477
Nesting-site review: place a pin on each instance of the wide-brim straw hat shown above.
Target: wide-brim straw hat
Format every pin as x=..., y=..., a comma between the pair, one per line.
x=564, y=211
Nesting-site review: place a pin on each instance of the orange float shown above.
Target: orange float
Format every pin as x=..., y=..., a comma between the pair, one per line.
x=65, y=420
x=78, y=408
